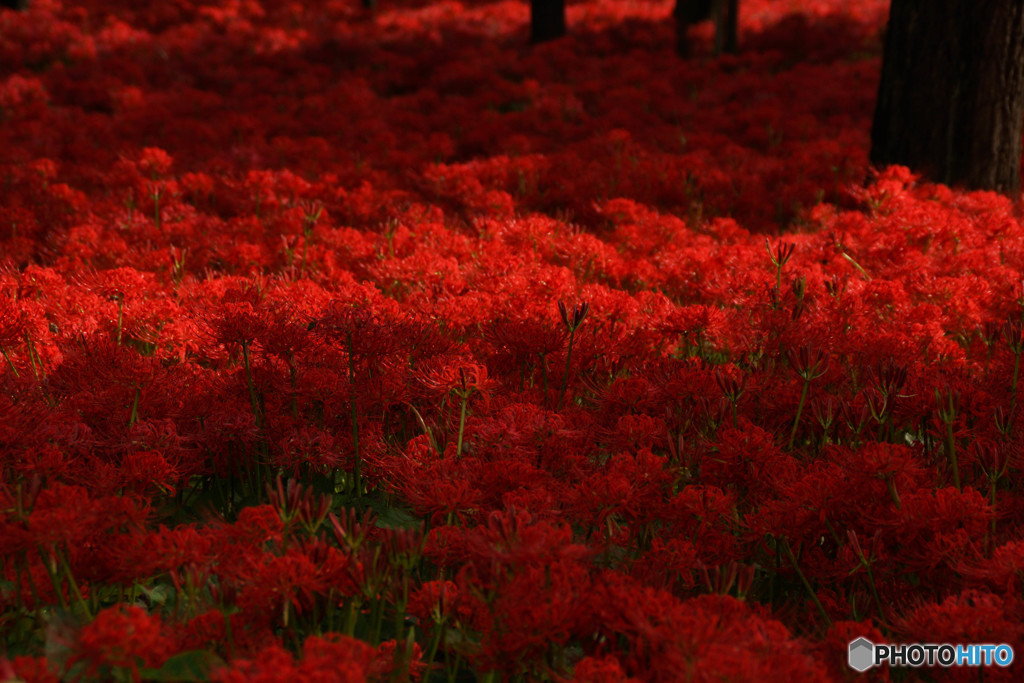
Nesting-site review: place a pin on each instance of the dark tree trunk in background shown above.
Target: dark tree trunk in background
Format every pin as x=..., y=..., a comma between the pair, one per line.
x=726, y=26
x=547, y=20
x=725, y=14
x=951, y=97
x=14, y=4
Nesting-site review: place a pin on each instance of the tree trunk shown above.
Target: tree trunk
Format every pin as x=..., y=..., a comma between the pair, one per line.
x=951, y=96
x=14, y=4
x=726, y=26
x=547, y=20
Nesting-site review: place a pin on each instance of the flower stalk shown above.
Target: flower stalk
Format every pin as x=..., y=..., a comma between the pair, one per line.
x=948, y=403
x=579, y=314
x=784, y=544
x=809, y=364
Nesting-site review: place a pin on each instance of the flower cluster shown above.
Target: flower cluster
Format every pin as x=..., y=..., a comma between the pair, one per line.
x=323, y=359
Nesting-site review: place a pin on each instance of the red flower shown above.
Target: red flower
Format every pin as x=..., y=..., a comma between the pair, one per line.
x=446, y=375
x=28, y=670
x=393, y=661
x=605, y=669
x=432, y=601
x=968, y=617
x=155, y=161
x=122, y=637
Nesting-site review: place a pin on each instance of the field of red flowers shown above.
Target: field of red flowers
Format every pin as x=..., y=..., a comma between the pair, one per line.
x=343, y=346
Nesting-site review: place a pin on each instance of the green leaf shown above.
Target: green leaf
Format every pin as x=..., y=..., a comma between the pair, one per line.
x=158, y=594
x=194, y=665
x=394, y=517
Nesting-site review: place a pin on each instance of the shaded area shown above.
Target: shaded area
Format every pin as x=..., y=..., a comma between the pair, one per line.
x=462, y=81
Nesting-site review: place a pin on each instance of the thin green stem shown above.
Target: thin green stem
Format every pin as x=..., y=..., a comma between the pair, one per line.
x=784, y=542
x=37, y=365
x=257, y=473
x=51, y=571
x=874, y=590
x=135, y=408
x=435, y=642
x=799, y=411
x=992, y=503
x=350, y=618
x=228, y=633
x=544, y=375
x=462, y=421
x=565, y=377
x=120, y=317
x=376, y=619
x=452, y=670
x=17, y=582
x=357, y=485
x=9, y=361
x=951, y=453
x=857, y=266
x=293, y=375
x=305, y=247
x=890, y=484
x=253, y=400
x=1013, y=385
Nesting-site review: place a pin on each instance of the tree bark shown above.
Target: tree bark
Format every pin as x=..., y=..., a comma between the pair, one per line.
x=547, y=20
x=951, y=96
x=726, y=26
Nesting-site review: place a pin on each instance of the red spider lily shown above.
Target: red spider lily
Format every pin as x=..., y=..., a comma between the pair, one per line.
x=956, y=524
x=447, y=375
x=394, y=660
x=970, y=616
x=155, y=161
x=432, y=601
x=579, y=314
x=67, y=516
x=628, y=488
x=126, y=638
x=670, y=564
x=605, y=669
x=355, y=327
x=307, y=447
x=144, y=554
x=323, y=276
x=29, y=669
x=667, y=636
x=349, y=530
x=808, y=362
x=525, y=343
x=522, y=630
x=12, y=323
x=238, y=323
x=438, y=492
x=285, y=586
x=330, y=657
x=510, y=540
x=298, y=503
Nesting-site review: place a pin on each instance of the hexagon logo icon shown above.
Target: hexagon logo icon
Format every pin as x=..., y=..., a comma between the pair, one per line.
x=862, y=655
